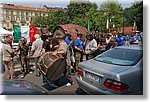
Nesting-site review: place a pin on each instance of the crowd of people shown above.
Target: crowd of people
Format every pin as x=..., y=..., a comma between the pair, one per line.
x=73, y=50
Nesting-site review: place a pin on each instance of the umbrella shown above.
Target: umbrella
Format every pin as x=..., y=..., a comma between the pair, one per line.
x=5, y=32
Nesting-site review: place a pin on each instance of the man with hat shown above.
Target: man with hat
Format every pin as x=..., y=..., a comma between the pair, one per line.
x=78, y=45
x=8, y=58
x=24, y=49
x=62, y=52
x=47, y=46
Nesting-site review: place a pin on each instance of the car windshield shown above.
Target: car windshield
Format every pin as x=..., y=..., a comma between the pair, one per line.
x=120, y=56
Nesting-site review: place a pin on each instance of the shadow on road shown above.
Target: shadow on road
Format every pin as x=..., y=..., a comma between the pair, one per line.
x=60, y=82
x=80, y=92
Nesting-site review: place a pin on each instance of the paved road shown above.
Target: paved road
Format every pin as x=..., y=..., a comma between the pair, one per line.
x=61, y=90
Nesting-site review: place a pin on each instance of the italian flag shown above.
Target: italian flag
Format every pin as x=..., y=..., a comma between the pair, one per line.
x=134, y=26
x=107, y=26
x=24, y=31
x=113, y=27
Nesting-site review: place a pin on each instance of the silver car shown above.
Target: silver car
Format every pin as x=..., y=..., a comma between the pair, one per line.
x=116, y=71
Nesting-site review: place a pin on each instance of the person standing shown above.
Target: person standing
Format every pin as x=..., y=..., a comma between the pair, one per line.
x=36, y=51
x=71, y=59
x=78, y=45
x=108, y=38
x=47, y=46
x=62, y=52
x=91, y=46
x=23, y=47
x=133, y=38
x=8, y=58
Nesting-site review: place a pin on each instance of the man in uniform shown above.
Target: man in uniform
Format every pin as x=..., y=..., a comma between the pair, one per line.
x=23, y=47
x=62, y=52
x=8, y=58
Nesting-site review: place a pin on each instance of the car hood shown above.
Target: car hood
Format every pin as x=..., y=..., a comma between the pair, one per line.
x=96, y=66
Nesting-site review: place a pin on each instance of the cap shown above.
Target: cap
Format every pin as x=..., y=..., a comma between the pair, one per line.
x=50, y=35
x=61, y=37
x=36, y=36
x=88, y=34
x=67, y=34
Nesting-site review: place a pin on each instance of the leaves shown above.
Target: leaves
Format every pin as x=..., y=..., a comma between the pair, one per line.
x=81, y=13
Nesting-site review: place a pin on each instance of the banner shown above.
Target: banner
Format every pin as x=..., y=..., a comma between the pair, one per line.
x=24, y=31
x=32, y=33
x=17, y=32
x=107, y=26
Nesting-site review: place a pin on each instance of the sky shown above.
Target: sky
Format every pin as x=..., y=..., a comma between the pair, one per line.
x=59, y=3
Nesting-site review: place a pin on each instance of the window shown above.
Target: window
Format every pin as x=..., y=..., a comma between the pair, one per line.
x=6, y=12
x=22, y=13
x=18, y=18
x=7, y=17
x=11, y=12
x=12, y=18
x=17, y=13
x=36, y=14
x=27, y=13
x=120, y=56
x=22, y=19
x=27, y=18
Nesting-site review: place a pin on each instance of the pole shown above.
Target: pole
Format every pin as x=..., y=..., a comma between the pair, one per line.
x=123, y=22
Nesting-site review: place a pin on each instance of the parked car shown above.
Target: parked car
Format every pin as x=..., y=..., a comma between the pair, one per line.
x=116, y=71
x=21, y=87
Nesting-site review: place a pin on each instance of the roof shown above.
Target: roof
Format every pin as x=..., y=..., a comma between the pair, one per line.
x=127, y=30
x=23, y=8
x=29, y=8
x=72, y=28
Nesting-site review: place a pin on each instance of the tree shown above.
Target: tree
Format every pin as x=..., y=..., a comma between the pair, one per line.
x=38, y=20
x=135, y=14
x=113, y=11
x=77, y=12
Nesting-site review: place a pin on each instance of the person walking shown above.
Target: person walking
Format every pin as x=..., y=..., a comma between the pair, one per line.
x=36, y=51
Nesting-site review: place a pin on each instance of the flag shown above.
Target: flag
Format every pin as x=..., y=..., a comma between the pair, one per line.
x=88, y=25
x=17, y=33
x=24, y=31
x=113, y=27
x=32, y=33
x=107, y=26
x=134, y=26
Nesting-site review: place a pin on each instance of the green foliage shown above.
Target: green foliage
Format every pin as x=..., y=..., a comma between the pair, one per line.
x=84, y=13
x=135, y=13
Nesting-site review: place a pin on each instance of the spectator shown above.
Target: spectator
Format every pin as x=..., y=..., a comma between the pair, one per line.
x=91, y=46
x=78, y=44
x=120, y=39
x=108, y=38
x=47, y=46
x=8, y=58
x=134, y=39
x=71, y=58
x=127, y=40
x=36, y=50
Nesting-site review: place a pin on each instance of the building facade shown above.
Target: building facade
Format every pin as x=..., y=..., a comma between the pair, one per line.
x=21, y=15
